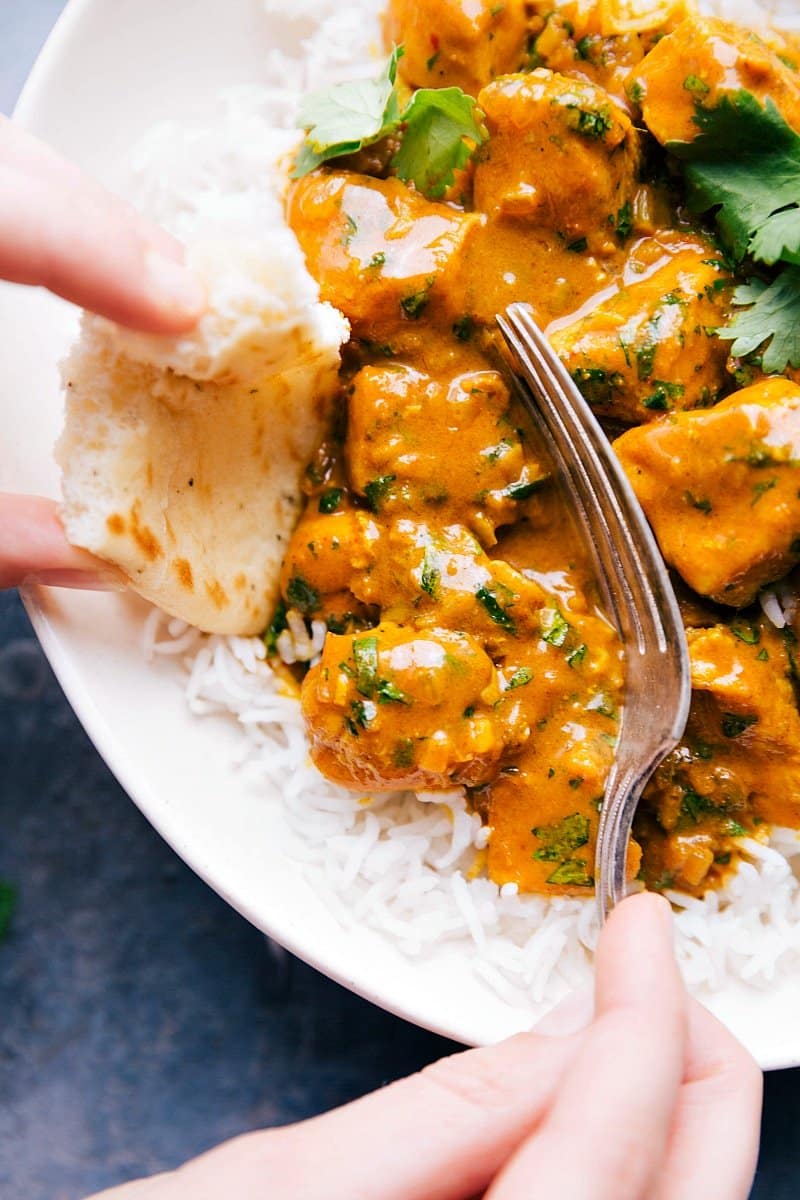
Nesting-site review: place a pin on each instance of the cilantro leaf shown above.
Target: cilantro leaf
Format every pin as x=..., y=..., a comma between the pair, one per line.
x=560, y=839
x=437, y=120
x=441, y=126
x=745, y=164
x=772, y=312
x=348, y=116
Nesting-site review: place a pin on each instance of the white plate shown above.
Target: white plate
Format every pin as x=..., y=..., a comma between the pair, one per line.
x=107, y=73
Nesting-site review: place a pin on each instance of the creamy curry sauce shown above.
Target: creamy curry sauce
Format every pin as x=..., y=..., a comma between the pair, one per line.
x=466, y=643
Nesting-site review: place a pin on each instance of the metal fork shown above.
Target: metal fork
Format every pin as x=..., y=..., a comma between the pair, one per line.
x=638, y=593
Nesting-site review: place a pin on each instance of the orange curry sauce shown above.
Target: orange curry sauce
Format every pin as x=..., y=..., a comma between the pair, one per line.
x=466, y=645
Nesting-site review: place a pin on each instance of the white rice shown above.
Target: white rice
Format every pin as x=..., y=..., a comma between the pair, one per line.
x=406, y=865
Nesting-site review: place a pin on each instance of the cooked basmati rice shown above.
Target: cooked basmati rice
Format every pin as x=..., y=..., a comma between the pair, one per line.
x=407, y=865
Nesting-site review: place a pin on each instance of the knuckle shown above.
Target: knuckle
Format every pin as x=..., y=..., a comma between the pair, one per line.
x=471, y=1078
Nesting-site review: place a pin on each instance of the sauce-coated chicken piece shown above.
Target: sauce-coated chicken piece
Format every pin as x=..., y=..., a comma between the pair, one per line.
x=651, y=347
x=738, y=765
x=404, y=423
x=396, y=707
x=720, y=488
x=459, y=43
x=704, y=60
x=561, y=156
x=382, y=254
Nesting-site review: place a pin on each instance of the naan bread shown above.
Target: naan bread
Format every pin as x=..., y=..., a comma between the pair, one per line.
x=182, y=457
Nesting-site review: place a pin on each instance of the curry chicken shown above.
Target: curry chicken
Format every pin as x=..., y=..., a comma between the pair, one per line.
x=466, y=643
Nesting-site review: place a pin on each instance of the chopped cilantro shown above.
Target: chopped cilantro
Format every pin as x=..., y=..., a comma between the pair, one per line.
x=414, y=305
x=500, y=615
x=523, y=489
x=329, y=501
x=365, y=656
x=431, y=575
x=635, y=92
x=302, y=595
x=403, y=753
x=624, y=223
x=275, y=628
x=697, y=86
x=761, y=488
x=701, y=503
x=560, y=839
x=645, y=357
x=576, y=656
x=572, y=873
x=578, y=246
x=389, y=693
x=694, y=806
x=746, y=631
x=554, y=628
x=595, y=122
x=520, y=678
x=734, y=725
x=659, y=399
x=377, y=490
x=464, y=328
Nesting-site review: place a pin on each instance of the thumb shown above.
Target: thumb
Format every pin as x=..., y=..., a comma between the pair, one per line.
x=34, y=549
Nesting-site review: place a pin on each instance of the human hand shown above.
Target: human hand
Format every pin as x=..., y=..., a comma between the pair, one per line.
x=63, y=231
x=653, y=1100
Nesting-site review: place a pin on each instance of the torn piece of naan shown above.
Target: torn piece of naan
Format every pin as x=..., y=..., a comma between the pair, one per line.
x=182, y=458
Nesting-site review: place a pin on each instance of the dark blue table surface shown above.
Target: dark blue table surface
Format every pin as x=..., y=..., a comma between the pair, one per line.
x=141, y=1019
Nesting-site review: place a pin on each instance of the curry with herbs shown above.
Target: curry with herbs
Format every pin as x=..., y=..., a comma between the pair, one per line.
x=568, y=159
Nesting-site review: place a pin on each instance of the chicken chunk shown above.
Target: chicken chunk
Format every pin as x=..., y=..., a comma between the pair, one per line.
x=396, y=708
x=458, y=43
x=702, y=61
x=738, y=764
x=561, y=156
x=381, y=253
x=422, y=445
x=593, y=42
x=720, y=488
x=651, y=347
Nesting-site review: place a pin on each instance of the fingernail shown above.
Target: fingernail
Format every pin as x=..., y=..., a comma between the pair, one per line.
x=572, y=1015
x=174, y=284
x=88, y=581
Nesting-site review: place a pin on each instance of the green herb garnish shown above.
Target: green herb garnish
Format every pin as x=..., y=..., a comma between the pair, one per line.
x=377, y=490
x=744, y=167
x=441, y=127
x=520, y=678
x=330, y=500
x=554, y=628
x=559, y=840
x=365, y=656
x=302, y=595
x=746, y=631
x=495, y=609
x=734, y=725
